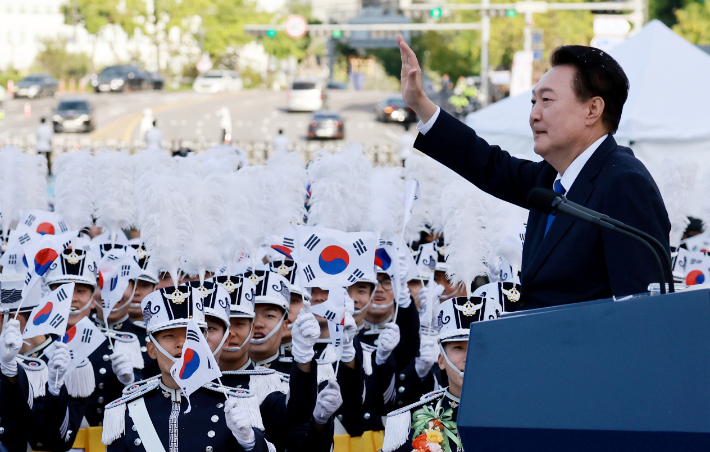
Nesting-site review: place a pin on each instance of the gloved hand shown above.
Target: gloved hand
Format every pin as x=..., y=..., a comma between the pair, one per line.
x=57, y=367
x=388, y=340
x=239, y=423
x=123, y=368
x=423, y=294
x=10, y=344
x=428, y=355
x=403, y=298
x=403, y=266
x=304, y=335
x=349, y=334
x=328, y=402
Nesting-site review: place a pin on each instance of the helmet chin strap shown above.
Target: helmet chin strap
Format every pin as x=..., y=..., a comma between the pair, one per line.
x=161, y=349
x=372, y=296
x=271, y=333
x=448, y=361
x=382, y=307
x=129, y=302
x=221, y=343
x=79, y=311
x=238, y=349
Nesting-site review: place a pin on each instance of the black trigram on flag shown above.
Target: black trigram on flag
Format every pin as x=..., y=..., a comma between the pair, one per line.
x=24, y=238
x=312, y=241
x=113, y=257
x=355, y=277
x=58, y=318
x=61, y=295
x=63, y=226
x=30, y=219
x=386, y=243
x=329, y=315
x=86, y=335
x=192, y=336
x=288, y=243
x=125, y=269
x=28, y=278
x=71, y=354
x=359, y=247
x=309, y=273
x=12, y=259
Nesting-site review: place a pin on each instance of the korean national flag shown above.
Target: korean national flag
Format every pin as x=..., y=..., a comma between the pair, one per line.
x=52, y=313
x=331, y=258
x=426, y=261
x=333, y=310
x=116, y=269
x=40, y=254
x=41, y=222
x=81, y=339
x=196, y=366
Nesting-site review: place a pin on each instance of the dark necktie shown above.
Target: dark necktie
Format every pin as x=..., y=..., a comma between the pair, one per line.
x=558, y=189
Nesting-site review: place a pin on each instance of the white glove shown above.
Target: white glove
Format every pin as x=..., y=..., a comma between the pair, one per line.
x=422, y=294
x=10, y=344
x=403, y=298
x=304, y=335
x=328, y=402
x=388, y=340
x=403, y=266
x=349, y=334
x=428, y=355
x=123, y=368
x=57, y=367
x=239, y=423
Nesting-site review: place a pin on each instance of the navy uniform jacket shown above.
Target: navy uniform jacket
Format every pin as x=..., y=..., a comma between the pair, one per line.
x=204, y=428
x=379, y=383
x=126, y=325
x=574, y=262
x=16, y=401
x=287, y=419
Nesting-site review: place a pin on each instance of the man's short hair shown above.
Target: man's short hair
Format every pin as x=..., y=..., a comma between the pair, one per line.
x=598, y=74
x=42, y=120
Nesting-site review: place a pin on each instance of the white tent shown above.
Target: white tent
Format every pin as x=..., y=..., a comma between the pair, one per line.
x=667, y=112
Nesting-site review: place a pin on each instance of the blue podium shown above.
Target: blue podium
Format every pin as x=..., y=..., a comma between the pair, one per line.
x=606, y=376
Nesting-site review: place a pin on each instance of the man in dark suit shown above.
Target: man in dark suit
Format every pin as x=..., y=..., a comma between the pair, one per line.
x=576, y=107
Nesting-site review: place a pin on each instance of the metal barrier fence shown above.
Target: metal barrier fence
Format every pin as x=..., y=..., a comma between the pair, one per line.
x=258, y=151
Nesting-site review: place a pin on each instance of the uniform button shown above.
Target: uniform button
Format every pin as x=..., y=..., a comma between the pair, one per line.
x=133, y=427
x=101, y=385
x=166, y=395
x=105, y=357
x=98, y=410
x=101, y=400
x=366, y=416
x=220, y=405
x=215, y=418
x=210, y=433
x=2, y=430
x=402, y=377
x=340, y=417
x=102, y=371
x=400, y=389
x=137, y=442
x=144, y=349
x=208, y=449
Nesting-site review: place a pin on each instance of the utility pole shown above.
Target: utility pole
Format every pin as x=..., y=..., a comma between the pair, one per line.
x=527, y=32
x=485, y=40
x=157, y=38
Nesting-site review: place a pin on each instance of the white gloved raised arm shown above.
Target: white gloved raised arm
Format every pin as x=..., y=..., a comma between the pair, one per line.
x=328, y=402
x=304, y=335
x=387, y=342
x=349, y=334
x=239, y=423
x=123, y=368
x=57, y=367
x=10, y=344
x=428, y=356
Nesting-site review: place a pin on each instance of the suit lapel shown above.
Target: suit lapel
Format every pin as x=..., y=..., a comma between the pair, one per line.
x=542, y=245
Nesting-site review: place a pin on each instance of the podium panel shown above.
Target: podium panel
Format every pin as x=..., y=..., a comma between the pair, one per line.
x=605, y=376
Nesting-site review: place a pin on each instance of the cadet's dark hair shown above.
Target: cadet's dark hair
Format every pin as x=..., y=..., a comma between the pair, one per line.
x=598, y=74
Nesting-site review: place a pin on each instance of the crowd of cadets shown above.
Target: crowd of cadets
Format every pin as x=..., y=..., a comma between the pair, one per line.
x=285, y=389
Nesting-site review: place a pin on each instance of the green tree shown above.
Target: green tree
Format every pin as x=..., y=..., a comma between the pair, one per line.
x=694, y=22
x=55, y=59
x=665, y=10
x=95, y=14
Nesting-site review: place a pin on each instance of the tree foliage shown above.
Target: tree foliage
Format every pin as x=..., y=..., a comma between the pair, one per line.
x=62, y=64
x=694, y=22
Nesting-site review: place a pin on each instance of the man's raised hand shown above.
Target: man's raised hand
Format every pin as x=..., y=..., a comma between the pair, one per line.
x=412, y=86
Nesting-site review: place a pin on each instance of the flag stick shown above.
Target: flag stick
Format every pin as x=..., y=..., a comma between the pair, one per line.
x=224, y=388
x=337, y=366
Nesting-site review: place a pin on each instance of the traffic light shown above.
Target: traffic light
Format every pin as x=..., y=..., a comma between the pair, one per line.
x=435, y=13
x=271, y=33
x=337, y=34
x=511, y=12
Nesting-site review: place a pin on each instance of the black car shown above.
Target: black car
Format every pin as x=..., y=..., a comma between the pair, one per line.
x=336, y=85
x=326, y=124
x=37, y=85
x=156, y=81
x=121, y=78
x=73, y=115
x=393, y=109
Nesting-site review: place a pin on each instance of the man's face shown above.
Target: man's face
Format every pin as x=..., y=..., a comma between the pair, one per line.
x=319, y=296
x=360, y=292
x=267, y=318
x=456, y=351
x=449, y=289
x=239, y=329
x=384, y=295
x=293, y=309
x=557, y=119
x=172, y=340
x=121, y=307
x=215, y=332
x=143, y=288
x=83, y=294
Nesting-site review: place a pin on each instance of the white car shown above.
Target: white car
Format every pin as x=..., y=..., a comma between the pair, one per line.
x=218, y=82
x=305, y=94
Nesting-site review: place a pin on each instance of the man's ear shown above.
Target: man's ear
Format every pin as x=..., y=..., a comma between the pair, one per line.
x=595, y=109
x=152, y=351
x=442, y=362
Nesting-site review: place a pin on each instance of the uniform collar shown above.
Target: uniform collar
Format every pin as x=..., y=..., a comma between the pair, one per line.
x=376, y=327
x=118, y=324
x=246, y=366
x=573, y=170
x=267, y=360
x=175, y=395
x=285, y=349
x=140, y=324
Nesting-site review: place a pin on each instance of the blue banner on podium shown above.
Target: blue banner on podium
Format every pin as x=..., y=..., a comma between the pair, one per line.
x=604, y=375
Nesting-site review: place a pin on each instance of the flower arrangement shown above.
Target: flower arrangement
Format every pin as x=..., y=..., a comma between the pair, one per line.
x=433, y=427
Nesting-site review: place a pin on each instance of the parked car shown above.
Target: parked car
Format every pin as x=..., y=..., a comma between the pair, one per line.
x=156, y=81
x=305, y=94
x=326, y=124
x=218, y=82
x=337, y=85
x=73, y=115
x=121, y=78
x=37, y=85
x=393, y=109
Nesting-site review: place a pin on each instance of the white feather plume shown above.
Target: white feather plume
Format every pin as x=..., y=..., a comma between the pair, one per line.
x=13, y=191
x=387, y=211
x=222, y=159
x=427, y=172
x=115, y=202
x=74, y=192
x=676, y=179
x=288, y=177
x=438, y=215
x=340, y=190
x=36, y=182
x=242, y=227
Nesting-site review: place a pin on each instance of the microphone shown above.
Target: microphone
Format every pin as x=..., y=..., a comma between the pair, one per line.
x=551, y=203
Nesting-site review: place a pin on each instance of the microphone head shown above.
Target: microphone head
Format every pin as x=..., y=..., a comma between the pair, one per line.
x=542, y=199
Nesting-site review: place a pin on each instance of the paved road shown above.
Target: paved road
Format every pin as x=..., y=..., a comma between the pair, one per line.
x=256, y=116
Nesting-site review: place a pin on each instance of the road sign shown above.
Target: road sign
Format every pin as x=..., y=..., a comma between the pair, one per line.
x=521, y=76
x=435, y=13
x=296, y=26
x=611, y=26
x=537, y=54
x=532, y=7
x=205, y=64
